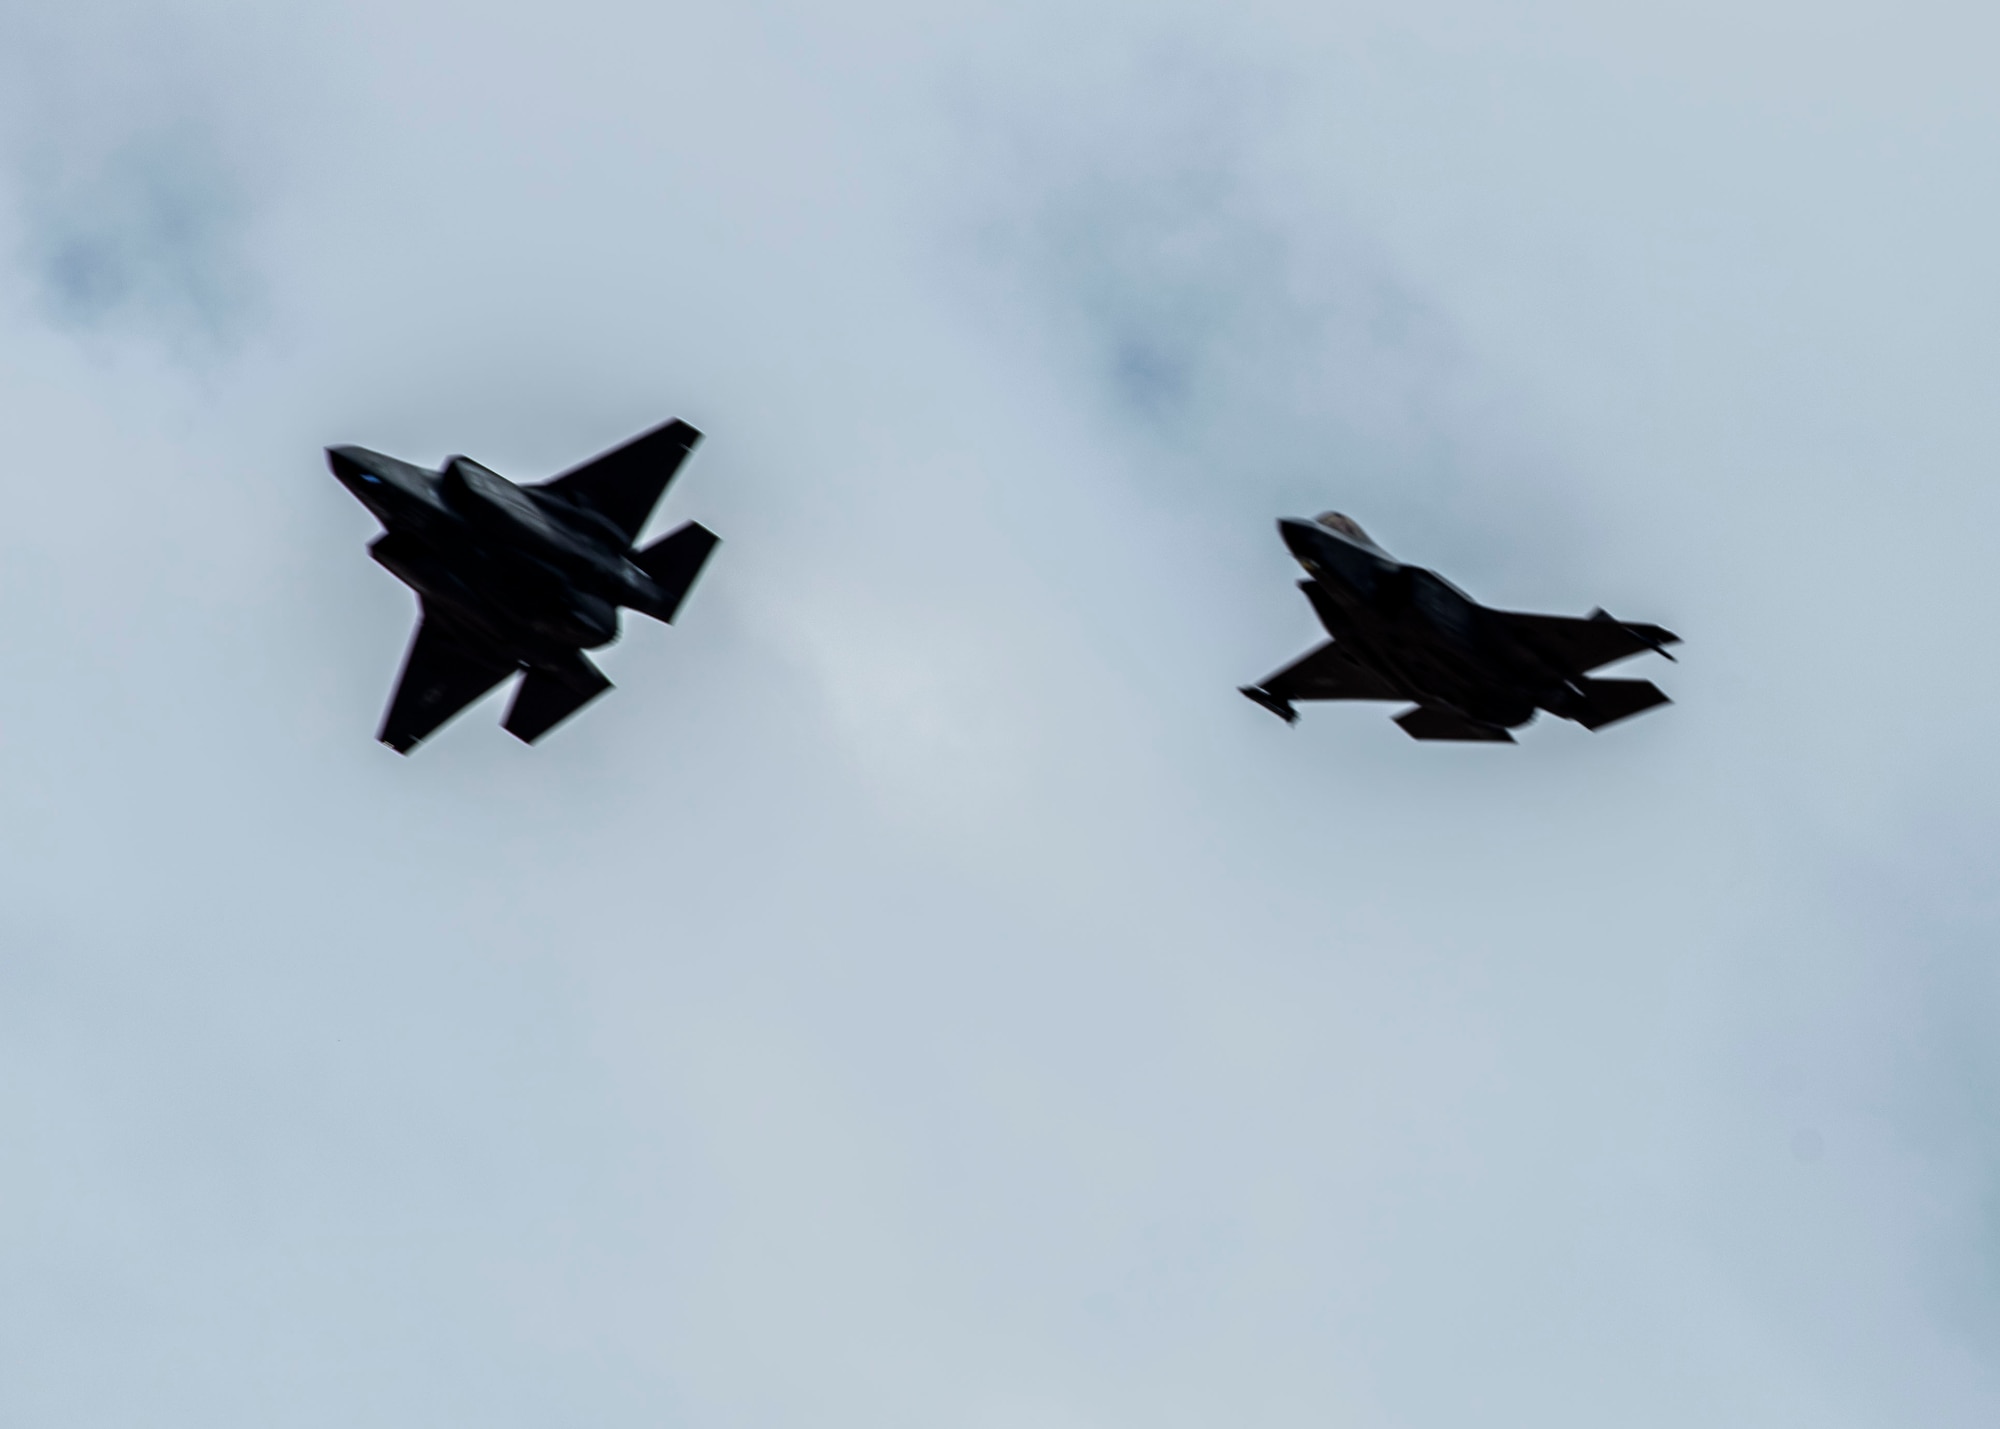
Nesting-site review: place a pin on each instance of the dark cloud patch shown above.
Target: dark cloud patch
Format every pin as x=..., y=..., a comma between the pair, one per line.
x=136, y=155
x=1131, y=210
x=1190, y=268
x=150, y=235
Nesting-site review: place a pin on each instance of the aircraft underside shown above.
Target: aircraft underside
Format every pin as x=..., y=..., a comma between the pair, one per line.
x=522, y=580
x=1465, y=673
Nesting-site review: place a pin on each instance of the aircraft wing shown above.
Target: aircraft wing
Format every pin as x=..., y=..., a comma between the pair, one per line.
x=1581, y=645
x=1330, y=673
x=625, y=484
x=442, y=674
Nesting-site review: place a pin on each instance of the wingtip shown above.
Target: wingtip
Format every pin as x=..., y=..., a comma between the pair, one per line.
x=687, y=434
x=1283, y=709
x=1657, y=640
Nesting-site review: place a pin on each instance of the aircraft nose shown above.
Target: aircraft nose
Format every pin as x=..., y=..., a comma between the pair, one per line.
x=344, y=464
x=1301, y=538
x=359, y=474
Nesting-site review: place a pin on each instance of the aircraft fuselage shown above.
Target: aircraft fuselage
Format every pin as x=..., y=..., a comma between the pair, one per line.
x=518, y=580
x=1401, y=632
x=520, y=569
x=1412, y=624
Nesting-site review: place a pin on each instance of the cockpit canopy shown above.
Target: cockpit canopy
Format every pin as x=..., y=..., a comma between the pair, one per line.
x=1344, y=525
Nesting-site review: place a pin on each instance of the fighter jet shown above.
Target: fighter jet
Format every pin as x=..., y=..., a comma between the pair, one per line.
x=521, y=577
x=1469, y=672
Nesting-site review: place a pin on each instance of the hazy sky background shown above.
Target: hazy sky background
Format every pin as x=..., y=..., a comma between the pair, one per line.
x=925, y=993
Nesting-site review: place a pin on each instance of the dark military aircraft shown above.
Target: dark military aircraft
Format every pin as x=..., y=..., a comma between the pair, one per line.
x=521, y=577
x=1469, y=672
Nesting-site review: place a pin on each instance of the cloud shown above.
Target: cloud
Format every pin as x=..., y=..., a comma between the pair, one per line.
x=133, y=188
x=925, y=993
x=149, y=236
x=1188, y=266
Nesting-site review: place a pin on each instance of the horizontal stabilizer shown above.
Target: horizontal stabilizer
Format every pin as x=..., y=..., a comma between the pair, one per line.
x=1608, y=701
x=625, y=484
x=1437, y=722
x=673, y=562
x=547, y=697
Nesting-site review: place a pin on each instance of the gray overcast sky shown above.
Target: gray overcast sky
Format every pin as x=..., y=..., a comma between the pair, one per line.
x=925, y=994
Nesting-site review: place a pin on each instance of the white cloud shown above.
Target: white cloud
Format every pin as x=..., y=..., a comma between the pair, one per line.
x=925, y=993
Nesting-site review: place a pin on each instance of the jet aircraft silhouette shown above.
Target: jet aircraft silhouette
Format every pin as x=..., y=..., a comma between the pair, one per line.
x=1469, y=672
x=521, y=577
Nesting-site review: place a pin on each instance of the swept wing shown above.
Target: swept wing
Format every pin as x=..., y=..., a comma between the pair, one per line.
x=1330, y=673
x=1579, y=645
x=626, y=483
x=442, y=674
